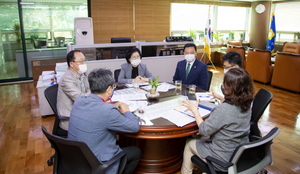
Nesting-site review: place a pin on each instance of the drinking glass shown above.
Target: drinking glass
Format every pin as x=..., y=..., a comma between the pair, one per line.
x=192, y=89
x=178, y=84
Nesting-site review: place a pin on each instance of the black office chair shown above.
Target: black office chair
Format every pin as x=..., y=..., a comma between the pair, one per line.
x=210, y=75
x=51, y=96
x=260, y=103
x=77, y=158
x=116, y=74
x=250, y=157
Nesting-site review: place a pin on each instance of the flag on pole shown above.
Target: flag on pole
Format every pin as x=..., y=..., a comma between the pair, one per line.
x=207, y=37
x=272, y=35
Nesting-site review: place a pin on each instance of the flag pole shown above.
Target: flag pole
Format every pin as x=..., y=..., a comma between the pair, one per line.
x=207, y=40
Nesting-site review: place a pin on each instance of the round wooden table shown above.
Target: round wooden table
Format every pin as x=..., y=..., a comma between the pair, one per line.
x=162, y=146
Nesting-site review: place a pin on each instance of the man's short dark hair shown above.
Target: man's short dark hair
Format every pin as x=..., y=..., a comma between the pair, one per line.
x=100, y=79
x=130, y=52
x=233, y=58
x=190, y=45
x=70, y=56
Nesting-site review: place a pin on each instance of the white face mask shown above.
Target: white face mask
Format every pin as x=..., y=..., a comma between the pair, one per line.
x=225, y=71
x=82, y=69
x=135, y=62
x=189, y=57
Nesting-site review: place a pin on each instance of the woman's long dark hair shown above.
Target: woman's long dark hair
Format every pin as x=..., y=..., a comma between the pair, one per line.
x=238, y=88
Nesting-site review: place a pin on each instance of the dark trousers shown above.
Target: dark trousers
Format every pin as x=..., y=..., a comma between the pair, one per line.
x=133, y=154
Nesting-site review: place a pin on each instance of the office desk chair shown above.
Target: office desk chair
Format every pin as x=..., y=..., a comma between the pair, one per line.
x=77, y=158
x=116, y=74
x=51, y=96
x=247, y=158
x=260, y=102
x=210, y=75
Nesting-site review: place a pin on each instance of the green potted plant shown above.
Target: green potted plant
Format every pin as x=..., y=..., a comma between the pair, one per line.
x=192, y=34
x=18, y=34
x=154, y=84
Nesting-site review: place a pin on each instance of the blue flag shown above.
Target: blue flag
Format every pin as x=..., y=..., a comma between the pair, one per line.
x=272, y=35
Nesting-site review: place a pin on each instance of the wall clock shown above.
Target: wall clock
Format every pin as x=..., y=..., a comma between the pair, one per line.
x=260, y=8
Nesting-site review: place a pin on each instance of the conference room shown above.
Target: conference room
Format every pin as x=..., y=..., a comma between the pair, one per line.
x=159, y=29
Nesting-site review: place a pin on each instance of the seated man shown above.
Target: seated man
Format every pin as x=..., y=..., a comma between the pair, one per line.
x=71, y=85
x=191, y=71
x=95, y=121
x=230, y=60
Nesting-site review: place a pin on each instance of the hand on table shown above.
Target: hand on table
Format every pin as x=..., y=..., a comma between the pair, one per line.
x=123, y=107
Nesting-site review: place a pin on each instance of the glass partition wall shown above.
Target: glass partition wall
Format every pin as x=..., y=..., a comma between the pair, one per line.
x=35, y=29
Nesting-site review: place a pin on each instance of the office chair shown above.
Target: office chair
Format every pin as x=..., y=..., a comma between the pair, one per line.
x=260, y=102
x=293, y=48
x=249, y=157
x=51, y=96
x=210, y=74
x=116, y=74
x=77, y=158
x=259, y=65
x=235, y=43
x=286, y=72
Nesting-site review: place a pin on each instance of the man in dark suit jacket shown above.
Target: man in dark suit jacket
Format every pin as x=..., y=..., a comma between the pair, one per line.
x=191, y=71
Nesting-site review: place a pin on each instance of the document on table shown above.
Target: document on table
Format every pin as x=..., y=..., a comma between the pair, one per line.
x=163, y=87
x=129, y=94
x=130, y=85
x=174, y=112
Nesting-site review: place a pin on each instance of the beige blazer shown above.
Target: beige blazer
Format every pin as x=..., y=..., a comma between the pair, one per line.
x=69, y=89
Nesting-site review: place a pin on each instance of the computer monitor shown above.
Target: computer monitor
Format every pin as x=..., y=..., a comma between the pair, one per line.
x=120, y=52
x=120, y=40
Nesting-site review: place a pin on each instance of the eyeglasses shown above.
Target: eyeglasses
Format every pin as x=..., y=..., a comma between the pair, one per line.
x=81, y=61
x=227, y=67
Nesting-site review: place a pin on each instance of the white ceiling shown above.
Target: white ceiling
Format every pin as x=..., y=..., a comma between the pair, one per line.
x=81, y=1
x=45, y=1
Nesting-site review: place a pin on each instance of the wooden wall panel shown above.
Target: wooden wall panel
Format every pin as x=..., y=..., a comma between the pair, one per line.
x=112, y=18
x=147, y=20
x=152, y=20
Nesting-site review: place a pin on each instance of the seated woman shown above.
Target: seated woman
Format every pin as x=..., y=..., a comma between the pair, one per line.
x=133, y=70
x=228, y=124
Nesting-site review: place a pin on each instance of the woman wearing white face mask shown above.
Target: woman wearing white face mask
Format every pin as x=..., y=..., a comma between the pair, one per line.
x=72, y=84
x=133, y=70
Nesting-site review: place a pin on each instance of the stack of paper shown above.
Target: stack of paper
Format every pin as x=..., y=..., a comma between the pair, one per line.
x=163, y=87
x=129, y=94
x=48, y=78
x=60, y=69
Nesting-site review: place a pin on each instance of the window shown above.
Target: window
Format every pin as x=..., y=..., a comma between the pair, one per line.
x=287, y=21
x=187, y=19
x=232, y=18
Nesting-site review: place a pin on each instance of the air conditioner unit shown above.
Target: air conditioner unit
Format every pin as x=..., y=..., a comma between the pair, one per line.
x=84, y=34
